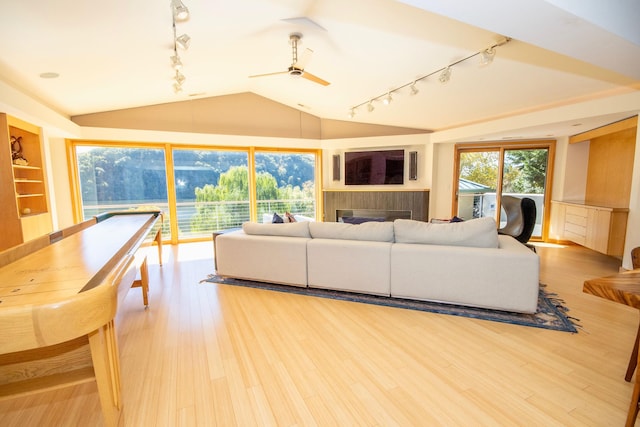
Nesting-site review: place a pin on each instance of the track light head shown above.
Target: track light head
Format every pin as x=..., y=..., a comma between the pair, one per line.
x=445, y=75
x=176, y=63
x=414, y=89
x=352, y=113
x=370, y=106
x=387, y=99
x=487, y=55
x=177, y=87
x=180, y=11
x=179, y=78
x=183, y=41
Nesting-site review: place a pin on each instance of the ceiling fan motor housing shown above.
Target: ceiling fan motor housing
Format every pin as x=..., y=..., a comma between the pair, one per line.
x=296, y=72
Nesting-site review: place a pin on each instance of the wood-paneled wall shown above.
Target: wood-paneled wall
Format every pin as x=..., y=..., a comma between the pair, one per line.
x=416, y=201
x=610, y=169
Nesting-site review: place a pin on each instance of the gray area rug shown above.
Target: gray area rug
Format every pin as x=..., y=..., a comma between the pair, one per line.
x=551, y=313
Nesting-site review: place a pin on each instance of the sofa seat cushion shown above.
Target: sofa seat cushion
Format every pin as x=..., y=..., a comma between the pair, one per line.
x=367, y=231
x=478, y=233
x=504, y=278
x=288, y=229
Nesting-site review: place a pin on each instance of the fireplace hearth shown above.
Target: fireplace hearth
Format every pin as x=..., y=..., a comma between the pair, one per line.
x=362, y=215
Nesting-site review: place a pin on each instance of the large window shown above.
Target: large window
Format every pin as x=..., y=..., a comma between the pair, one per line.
x=199, y=190
x=487, y=172
x=119, y=178
x=285, y=182
x=212, y=190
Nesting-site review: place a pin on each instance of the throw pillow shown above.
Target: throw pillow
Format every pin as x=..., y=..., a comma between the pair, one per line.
x=277, y=219
x=290, y=217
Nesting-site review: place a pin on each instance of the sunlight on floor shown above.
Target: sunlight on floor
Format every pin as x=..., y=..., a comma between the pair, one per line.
x=194, y=251
x=547, y=245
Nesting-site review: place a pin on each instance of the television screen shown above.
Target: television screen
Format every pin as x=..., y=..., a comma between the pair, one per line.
x=374, y=167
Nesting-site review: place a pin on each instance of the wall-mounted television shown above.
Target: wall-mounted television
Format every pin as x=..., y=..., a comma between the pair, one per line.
x=374, y=167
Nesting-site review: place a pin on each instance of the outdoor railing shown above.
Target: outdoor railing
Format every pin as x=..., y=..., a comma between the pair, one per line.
x=200, y=219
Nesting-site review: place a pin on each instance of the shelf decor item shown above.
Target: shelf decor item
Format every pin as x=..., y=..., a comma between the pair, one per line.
x=16, y=151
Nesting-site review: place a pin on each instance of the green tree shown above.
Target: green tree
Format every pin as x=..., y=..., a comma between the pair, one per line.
x=233, y=186
x=480, y=167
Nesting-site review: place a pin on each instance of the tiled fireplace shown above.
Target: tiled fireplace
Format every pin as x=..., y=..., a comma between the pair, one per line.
x=390, y=205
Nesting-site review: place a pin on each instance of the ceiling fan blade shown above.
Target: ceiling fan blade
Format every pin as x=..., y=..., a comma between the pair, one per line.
x=315, y=79
x=304, y=59
x=269, y=74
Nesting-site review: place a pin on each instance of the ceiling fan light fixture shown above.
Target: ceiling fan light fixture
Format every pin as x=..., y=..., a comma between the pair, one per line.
x=180, y=11
x=445, y=76
x=183, y=41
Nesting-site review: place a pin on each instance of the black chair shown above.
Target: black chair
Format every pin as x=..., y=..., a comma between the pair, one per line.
x=521, y=218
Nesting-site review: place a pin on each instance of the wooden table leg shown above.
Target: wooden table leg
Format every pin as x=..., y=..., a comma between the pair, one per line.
x=633, y=361
x=158, y=240
x=633, y=406
x=106, y=365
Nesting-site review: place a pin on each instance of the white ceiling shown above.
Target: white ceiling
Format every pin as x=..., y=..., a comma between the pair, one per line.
x=115, y=54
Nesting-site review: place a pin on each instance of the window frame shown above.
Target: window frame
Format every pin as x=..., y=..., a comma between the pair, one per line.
x=76, y=195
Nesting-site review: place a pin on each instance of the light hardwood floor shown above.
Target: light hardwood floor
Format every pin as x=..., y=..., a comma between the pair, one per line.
x=214, y=355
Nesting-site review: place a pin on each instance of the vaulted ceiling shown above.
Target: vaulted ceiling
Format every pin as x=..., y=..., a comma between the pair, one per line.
x=115, y=55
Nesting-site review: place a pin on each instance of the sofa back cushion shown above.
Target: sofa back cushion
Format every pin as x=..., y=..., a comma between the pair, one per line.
x=480, y=233
x=288, y=229
x=368, y=231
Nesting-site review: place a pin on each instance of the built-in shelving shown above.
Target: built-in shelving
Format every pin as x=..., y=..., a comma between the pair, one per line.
x=24, y=204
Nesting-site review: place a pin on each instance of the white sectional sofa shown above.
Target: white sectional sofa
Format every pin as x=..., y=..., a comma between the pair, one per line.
x=464, y=263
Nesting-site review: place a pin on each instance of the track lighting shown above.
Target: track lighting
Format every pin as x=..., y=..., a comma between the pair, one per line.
x=445, y=75
x=180, y=11
x=486, y=57
x=183, y=41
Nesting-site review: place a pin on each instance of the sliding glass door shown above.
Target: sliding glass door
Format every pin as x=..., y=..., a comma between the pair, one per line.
x=486, y=173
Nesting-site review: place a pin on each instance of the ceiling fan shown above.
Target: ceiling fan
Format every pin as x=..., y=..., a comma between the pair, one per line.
x=297, y=66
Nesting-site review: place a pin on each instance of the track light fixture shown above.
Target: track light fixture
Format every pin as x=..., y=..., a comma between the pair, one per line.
x=486, y=57
x=183, y=41
x=179, y=13
x=176, y=63
x=445, y=75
